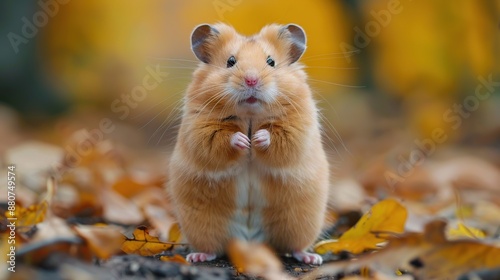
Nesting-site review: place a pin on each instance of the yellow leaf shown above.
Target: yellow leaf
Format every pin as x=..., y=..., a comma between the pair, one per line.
x=400, y=251
x=464, y=231
x=175, y=234
x=34, y=214
x=175, y=258
x=428, y=255
x=160, y=219
x=27, y=217
x=457, y=257
x=387, y=216
x=142, y=243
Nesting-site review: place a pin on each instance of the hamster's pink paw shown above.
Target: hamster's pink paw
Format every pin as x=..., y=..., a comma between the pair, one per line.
x=240, y=141
x=200, y=257
x=308, y=258
x=262, y=138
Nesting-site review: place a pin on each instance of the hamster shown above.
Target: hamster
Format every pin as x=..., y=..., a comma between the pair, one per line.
x=249, y=162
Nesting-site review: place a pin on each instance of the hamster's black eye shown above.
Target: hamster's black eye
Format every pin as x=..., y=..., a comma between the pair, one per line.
x=270, y=61
x=231, y=61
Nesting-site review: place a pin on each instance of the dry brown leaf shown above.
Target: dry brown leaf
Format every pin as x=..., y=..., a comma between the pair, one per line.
x=35, y=160
x=397, y=254
x=466, y=173
x=256, y=259
x=128, y=187
x=428, y=254
x=104, y=241
x=380, y=276
x=455, y=258
x=160, y=220
x=346, y=195
x=142, y=243
x=120, y=209
x=53, y=236
x=74, y=201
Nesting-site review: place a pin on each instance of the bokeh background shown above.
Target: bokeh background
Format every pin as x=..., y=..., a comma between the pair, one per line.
x=387, y=73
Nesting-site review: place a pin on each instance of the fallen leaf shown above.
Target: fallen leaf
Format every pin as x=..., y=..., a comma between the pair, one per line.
x=104, y=241
x=160, y=220
x=387, y=216
x=128, y=187
x=142, y=243
x=256, y=259
x=35, y=159
x=174, y=234
x=175, y=258
x=28, y=217
x=53, y=236
x=398, y=253
x=455, y=258
x=36, y=213
x=429, y=255
x=120, y=209
x=462, y=231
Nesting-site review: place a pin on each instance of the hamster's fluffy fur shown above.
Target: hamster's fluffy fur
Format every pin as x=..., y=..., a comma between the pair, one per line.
x=274, y=192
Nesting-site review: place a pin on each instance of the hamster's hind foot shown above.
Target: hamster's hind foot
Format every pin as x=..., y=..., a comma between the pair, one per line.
x=308, y=258
x=200, y=257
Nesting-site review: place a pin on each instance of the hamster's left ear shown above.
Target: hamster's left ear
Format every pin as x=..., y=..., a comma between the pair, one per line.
x=297, y=38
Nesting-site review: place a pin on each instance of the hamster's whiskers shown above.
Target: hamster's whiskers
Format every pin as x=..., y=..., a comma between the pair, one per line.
x=336, y=84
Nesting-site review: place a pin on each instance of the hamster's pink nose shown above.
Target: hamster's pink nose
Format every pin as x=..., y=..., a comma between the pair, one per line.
x=251, y=81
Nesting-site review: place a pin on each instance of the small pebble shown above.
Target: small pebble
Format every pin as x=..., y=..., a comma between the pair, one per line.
x=134, y=267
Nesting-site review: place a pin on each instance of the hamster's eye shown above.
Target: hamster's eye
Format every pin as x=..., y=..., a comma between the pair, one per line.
x=231, y=61
x=270, y=61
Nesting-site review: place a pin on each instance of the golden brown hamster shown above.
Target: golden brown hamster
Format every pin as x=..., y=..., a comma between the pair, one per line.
x=249, y=162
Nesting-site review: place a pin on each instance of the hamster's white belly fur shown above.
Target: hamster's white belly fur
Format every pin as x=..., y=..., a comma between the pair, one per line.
x=246, y=223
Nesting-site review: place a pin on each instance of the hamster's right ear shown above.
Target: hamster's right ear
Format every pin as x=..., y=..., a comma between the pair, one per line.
x=200, y=41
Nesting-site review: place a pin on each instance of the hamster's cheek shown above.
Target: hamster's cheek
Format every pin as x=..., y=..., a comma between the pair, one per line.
x=270, y=92
x=234, y=84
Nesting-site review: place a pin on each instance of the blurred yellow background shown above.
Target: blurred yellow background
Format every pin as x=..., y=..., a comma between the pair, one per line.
x=386, y=71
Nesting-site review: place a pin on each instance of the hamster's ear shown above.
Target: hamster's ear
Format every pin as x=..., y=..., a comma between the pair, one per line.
x=297, y=38
x=200, y=41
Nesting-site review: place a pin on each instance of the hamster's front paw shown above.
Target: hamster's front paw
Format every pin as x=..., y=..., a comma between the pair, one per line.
x=200, y=257
x=308, y=258
x=240, y=141
x=262, y=138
